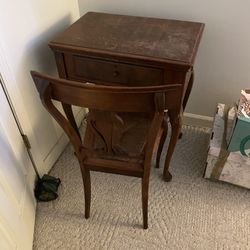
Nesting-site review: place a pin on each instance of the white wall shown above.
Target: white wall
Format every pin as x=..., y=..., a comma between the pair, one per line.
x=26, y=27
x=223, y=62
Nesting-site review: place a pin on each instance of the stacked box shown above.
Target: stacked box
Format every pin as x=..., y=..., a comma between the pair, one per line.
x=223, y=165
x=240, y=136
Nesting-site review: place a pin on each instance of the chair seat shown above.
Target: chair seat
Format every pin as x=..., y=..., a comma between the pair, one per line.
x=128, y=142
x=127, y=154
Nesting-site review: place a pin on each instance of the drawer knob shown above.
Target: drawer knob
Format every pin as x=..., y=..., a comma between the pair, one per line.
x=116, y=73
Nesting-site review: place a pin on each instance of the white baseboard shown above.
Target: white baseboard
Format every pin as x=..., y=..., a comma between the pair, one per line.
x=198, y=120
x=61, y=144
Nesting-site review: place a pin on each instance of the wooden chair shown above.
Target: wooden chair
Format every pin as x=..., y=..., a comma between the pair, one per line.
x=122, y=127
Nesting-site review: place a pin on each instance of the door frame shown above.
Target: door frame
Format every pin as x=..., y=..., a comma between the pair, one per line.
x=17, y=179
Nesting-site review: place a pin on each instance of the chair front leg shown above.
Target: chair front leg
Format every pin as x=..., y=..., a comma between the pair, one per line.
x=145, y=185
x=87, y=189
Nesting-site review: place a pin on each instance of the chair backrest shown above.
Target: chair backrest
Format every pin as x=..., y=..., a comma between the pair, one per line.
x=111, y=99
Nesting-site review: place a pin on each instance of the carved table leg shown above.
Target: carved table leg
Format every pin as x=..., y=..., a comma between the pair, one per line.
x=69, y=114
x=176, y=123
x=188, y=91
x=187, y=94
x=162, y=140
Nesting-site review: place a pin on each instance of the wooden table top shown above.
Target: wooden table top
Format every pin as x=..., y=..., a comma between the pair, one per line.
x=148, y=38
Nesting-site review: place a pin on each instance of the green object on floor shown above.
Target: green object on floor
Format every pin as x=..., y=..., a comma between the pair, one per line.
x=240, y=137
x=46, y=188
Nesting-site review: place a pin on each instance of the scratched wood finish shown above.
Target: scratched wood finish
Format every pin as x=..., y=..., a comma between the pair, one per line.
x=123, y=124
x=168, y=40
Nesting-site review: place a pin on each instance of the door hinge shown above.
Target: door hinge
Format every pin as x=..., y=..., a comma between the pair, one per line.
x=26, y=141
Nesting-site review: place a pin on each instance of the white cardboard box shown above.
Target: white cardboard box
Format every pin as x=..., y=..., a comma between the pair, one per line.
x=231, y=167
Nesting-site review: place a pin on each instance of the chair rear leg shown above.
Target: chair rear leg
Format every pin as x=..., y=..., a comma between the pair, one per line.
x=176, y=128
x=162, y=141
x=87, y=190
x=145, y=185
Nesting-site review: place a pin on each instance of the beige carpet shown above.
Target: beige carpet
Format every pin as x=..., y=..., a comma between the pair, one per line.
x=187, y=213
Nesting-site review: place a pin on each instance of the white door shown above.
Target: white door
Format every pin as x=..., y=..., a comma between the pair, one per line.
x=17, y=203
x=26, y=27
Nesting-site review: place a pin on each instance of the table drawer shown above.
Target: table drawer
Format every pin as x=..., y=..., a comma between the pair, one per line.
x=105, y=71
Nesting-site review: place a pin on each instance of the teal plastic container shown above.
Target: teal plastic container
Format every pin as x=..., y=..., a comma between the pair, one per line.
x=240, y=139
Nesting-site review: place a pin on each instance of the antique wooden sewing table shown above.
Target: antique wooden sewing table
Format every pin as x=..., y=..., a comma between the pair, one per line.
x=133, y=51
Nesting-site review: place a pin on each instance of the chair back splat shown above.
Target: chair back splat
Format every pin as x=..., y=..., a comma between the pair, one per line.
x=122, y=126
